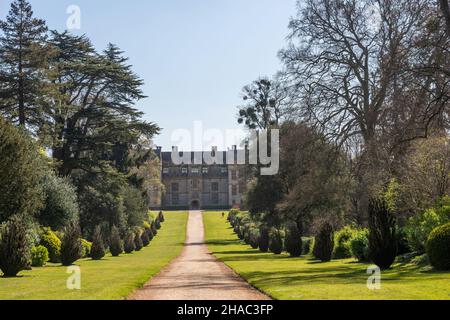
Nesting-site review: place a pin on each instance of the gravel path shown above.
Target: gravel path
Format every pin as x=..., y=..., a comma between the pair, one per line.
x=196, y=274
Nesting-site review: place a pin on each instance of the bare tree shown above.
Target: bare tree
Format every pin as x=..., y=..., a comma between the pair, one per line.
x=267, y=103
x=345, y=58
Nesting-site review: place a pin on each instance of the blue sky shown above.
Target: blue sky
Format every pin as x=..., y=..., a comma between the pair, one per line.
x=194, y=55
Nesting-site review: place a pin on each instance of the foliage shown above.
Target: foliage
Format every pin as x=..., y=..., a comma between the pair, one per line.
x=21, y=169
x=144, y=238
x=87, y=247
x=324, y=243
x=53, y=244
x=420, y=225
x=129, y=245
x=359, y=245
x=264, y=239
x=276, y=241
x=98, y=247
x=293, y=242
x=71, y=247
x=161, y=216
x=307, y=245
x=438, y=247
x=60, y=204
x=382, y=234
x=253, y=237
x=39, y=256
x=138, y=245
x=342, y=239
x=23, y=55
x=14, y=247
x=115, y=242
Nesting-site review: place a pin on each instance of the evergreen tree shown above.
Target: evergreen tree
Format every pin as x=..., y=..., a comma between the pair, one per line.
x=23, y=57
x=116, y=243
x=21, y=171
x=98, y=248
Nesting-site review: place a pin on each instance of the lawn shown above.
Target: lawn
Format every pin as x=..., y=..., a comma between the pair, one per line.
x=303, y=278
x=108, y=279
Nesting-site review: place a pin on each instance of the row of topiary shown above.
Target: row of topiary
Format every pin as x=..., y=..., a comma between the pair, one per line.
x=17, y=251
x=262, y=237
x=380, y=244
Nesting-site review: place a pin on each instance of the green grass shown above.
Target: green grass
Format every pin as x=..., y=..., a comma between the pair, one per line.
x=108, y=279
x=288, y=278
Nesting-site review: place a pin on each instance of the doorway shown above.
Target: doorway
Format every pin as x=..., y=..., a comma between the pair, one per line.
x=195, y=205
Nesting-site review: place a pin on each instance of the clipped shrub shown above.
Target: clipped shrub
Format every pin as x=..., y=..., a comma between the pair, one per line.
x=307, y=244
x=71, y=247
x=39, y=256
x=438, y=247
x=50, y=240
x=324, y=243
x=116, y=243
x=129, y=242
x=98, y=247
x=276, y=241
x=293, y=241
x=264, y=239
x=14, y=248
x=145, y=239
x=359, y=245
x=254, y=237
x=342, y=243
x=154, y=228
x=382, y=234
x=157, y=223
x=87, y=246
x=138, y=245
x=161, y=217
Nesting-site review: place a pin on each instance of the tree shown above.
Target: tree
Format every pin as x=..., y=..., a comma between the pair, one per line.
x=349, y=57
x=23, y=57
x=94, y=121
x=266, y=104
x=116, y=243
x=98, y=248
x=15, y=249
x=71, y=246
x=21, y=171
x=382, y=234
x=324, y=243
x=60, y=204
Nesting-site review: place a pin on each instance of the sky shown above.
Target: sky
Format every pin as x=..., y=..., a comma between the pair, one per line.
x=194, y=56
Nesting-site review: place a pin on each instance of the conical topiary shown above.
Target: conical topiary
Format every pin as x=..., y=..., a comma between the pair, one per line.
x=138, y=245
x=15, y=250
x=98, y=248
x=116, y=243
x=324, y=243
x=71, y=246
x=129, y=242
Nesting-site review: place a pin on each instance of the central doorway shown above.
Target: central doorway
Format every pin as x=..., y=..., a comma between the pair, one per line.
x=195, y=205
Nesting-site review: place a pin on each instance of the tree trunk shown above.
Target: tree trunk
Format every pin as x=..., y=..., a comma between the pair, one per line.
x=445, y=8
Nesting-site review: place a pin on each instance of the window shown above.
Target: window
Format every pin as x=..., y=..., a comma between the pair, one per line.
x=195, y=184
x=166, y=170
x=195, y=170
x=241, y=172
x=175, y=187
x=204, y=170
x=224, y=170
x=233, y=174
x=175, y=199
x=215, y=198
x=184, y=170
x=215, y=187
x=234, y=190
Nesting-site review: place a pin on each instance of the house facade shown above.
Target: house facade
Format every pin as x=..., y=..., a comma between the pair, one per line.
x=196, y=185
